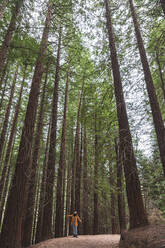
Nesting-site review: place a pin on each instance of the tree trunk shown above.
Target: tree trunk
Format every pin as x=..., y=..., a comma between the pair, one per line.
x=156, y=113
x=96, y=167
x=161, y=75
x=10, y=31
x=39, y=228
x=28, y=221
x=138, y=216
x=121, y=205
x=85, y=189
x=47, y=231
x=4, y=90
x=114, y=220
x=163, y=5
x=7, y=114
x=16, y=203
x=3, y=181
x=61, y=174
x=77, y=160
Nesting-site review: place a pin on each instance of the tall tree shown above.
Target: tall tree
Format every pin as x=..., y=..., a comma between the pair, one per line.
x=47, y=231
x=29, y=216
x=156, y=113
x=6, y=167
x=18, y=194
x=137, y=212
x=61, y=174
x=85, y=187
x=10, y=31
x=7, y=114
x=96, y=171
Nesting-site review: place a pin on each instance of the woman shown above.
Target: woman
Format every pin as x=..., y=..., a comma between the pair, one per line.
x=74, y=222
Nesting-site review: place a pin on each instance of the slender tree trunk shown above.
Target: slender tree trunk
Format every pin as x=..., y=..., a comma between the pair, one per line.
x=7, y=114
x=28, y=222
x=10, y=142
x=68, y=191
x=77, y=160
x=121, y=205
x=47, y=231
x=137, y=212
x=38, y=237
x=3, y=7
x=10, y=31
x=61, y=174
x=85, y=189
x=4, y=90
x=96, y=168
x=161, y=75
x=156, y=113
x=114, y=218
x=16, y=203
x=163, y=5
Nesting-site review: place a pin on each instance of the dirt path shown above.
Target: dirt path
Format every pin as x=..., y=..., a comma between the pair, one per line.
x=83, y=241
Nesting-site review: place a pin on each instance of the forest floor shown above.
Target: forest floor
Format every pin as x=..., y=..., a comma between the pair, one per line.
x=83, y=241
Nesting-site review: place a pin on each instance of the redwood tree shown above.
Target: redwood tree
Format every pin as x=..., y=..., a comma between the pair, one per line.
x=16, y=202
x=137, y=212
x=61, y=174
x=47, y=231
x=156, y=113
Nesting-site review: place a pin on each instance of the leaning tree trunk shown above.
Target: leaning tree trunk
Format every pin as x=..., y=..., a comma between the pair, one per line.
x=7, y=114
x=61, y=174
x=162, y=2
x=47, y=231
x=28, y=221
x=96, y=171
x=161, y=75
x=10, y=31
x=15, y=208
x=137, y=212
x=6, y=166
x=156, y=113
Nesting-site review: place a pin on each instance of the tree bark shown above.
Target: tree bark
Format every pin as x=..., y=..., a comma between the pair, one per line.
x=16, y=203
x=47, y=231
x=10, y=31
x=7, y=114
x=137, y=212
x=156, y=113
x=28, y=221
x=61, y=171
x=3, y=181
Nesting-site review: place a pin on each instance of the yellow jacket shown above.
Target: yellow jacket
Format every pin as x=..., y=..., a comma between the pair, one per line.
x=75, y=218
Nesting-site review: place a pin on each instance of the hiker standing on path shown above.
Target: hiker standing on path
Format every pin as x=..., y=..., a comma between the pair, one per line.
x=74, y=222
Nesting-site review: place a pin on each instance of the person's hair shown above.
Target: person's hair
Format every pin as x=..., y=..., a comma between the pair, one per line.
x=75, y=213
